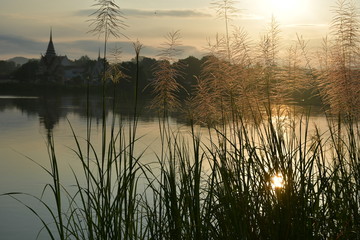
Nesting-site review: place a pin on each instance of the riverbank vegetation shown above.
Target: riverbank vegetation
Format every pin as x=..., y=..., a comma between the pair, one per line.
x=258, y=173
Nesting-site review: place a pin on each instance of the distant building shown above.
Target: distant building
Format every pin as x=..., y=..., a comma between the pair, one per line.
x=61, y=70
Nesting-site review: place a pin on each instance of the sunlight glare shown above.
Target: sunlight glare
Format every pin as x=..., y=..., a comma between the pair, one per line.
x=285, y=10
x=284, y=4
x=277, y=181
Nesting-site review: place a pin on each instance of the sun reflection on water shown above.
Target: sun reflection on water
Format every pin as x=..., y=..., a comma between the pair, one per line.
x=277, y=181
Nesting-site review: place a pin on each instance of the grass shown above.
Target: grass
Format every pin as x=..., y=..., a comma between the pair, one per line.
x=217, y=186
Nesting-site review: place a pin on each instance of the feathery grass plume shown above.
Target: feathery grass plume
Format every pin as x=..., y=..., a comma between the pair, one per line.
x=114, y=72
x=202, y=106
x=165, y=85
x=226, y=10
x=323, y=54
x=137, y=47
x=292, y=73
x=108, y=20
x=339, y=81
x=216, y=73
x=241, y=48
x=304, y=52
x=229, y=83
x=297, y=74
x=246, y=94
x=268, y=61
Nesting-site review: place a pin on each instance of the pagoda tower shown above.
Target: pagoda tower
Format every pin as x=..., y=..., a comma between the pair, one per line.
x=50, y=67
x=50, y=52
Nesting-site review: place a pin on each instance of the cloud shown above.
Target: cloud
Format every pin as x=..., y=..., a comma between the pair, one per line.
x=168, y=13
x=19, y=45
x=19, y=17
x=183, y=13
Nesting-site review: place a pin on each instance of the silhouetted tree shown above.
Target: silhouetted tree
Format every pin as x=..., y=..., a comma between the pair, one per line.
x=84, y=61
x=191, y=67
x=6, y=68
x=146, y=69
x=27, y=72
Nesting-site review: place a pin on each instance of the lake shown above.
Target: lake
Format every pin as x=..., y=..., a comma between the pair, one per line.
x=25, y=122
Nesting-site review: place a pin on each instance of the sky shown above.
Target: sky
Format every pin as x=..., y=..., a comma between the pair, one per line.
x=25, y=25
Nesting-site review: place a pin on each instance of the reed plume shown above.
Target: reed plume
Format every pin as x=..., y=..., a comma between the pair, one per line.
x=226, y=10
x=165, y=85
x=339, y=84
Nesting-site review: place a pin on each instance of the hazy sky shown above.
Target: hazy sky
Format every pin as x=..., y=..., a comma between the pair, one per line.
x=25, y=24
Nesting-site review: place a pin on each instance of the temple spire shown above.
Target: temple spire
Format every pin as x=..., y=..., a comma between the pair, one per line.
x=50, y=52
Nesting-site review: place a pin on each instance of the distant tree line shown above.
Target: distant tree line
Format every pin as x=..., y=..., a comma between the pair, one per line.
x=27, y=72
x=190, y=68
